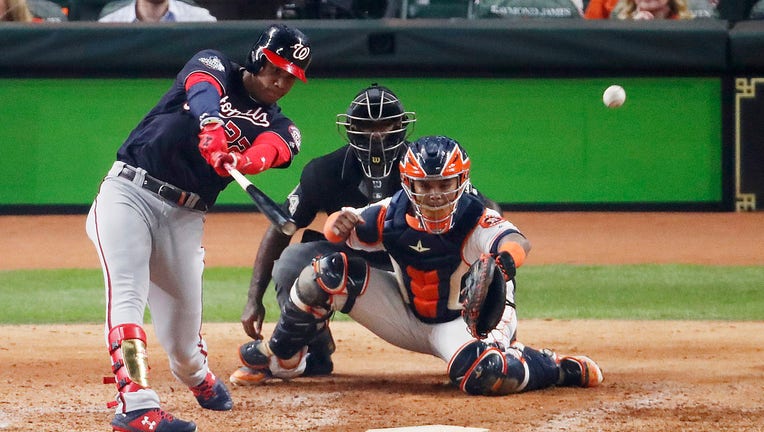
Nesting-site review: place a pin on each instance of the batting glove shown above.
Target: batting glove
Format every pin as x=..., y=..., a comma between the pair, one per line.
x=241, y=162
x=212, y=138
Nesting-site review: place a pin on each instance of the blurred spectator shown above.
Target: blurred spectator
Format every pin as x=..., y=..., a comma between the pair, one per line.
x=15, y=10
x=651, y=9
x=757, y=11
x=154, y=11
x=599, y=9
x=32, y=11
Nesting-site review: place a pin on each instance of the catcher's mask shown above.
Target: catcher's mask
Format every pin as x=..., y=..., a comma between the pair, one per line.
x=435, y=171
x=287, y=48
x=376, y=125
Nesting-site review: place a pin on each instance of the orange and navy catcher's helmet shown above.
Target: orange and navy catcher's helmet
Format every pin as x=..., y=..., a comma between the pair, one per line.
x=435, y=158
x=287, y=48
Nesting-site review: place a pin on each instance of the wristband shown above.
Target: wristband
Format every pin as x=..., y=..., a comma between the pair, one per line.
x=209, y=120
x=514, y=249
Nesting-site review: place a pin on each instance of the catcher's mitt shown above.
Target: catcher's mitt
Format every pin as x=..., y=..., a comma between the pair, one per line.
x=483, y=296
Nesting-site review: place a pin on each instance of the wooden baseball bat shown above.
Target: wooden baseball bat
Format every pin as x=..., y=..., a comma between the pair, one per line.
x=270, y=209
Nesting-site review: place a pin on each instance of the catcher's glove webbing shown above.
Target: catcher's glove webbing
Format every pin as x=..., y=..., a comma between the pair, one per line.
x=483, y=296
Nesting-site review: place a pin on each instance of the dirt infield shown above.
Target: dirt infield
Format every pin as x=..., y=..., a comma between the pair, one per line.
x=659, y=375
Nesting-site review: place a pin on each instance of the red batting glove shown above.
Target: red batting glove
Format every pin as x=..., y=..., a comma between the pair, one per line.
x=241, y=162
x=218, y=161
x=212, y=139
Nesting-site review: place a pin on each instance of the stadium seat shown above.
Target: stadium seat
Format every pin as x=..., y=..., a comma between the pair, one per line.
x=86, y=10
x=438, y=8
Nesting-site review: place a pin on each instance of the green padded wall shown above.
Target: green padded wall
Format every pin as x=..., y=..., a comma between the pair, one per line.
x=532, y=141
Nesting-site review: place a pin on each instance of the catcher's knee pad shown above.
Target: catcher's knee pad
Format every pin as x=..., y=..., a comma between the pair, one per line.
x=289, y=265
x=478, y=368
x=328, y=276
x=129, y=360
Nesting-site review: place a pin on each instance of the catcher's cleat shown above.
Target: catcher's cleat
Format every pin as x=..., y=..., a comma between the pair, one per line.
x=212, y=394
x=261, y=364
x=245, y=376
x=579, y=371
x=150, y=420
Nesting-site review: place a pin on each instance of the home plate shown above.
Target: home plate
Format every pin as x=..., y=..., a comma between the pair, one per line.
x=430, y=428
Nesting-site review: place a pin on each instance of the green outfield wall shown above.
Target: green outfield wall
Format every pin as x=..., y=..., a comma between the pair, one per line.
x=532, y=141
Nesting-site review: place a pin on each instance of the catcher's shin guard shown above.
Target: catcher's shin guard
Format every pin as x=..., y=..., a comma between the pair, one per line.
x=478, y=368
x=320, y=350
x=294, y=330
x=483, y=369
x=312, y=300
x=542, y=366
x=129, y=361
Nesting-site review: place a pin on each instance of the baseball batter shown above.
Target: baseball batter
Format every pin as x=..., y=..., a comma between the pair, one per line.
x=364, y=171
x=147, y=220
x=432, y=231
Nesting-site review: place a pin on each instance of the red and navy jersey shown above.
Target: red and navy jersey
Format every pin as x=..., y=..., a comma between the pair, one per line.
x=165, y=142
x=430, y=266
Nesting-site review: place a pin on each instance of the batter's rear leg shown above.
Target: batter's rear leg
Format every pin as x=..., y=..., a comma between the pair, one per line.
x=138, y=405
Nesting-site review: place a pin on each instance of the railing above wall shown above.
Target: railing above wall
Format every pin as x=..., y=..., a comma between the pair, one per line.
x=395, y=47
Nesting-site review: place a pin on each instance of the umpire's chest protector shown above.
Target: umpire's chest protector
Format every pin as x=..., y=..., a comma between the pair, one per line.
x=426, y=260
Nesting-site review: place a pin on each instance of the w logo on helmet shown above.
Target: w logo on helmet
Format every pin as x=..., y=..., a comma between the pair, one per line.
x=300, y=51
x=285, y=47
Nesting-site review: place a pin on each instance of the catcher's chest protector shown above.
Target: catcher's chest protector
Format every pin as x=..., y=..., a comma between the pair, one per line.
x=427, y=261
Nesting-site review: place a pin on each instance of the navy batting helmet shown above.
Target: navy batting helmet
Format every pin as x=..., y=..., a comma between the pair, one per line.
x=375, y=125
x=287, y=48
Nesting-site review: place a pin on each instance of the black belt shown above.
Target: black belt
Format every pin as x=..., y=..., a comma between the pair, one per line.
x=166, y=190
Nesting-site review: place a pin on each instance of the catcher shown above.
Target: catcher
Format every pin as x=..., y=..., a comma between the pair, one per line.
x=362, y=172
x=451, y=293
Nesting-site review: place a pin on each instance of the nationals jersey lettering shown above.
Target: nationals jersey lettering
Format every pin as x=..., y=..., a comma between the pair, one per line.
x=171, y=128
x=256, y=116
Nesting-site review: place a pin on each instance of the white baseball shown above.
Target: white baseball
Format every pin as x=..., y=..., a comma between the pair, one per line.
x=614, y=96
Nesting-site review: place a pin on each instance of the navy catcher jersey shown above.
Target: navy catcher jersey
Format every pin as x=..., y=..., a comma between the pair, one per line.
x=165, y=142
